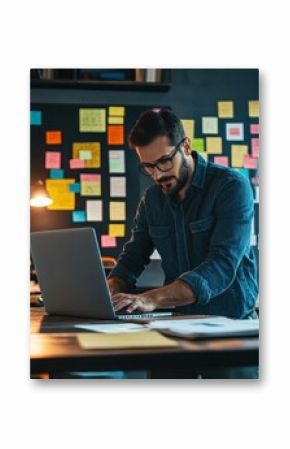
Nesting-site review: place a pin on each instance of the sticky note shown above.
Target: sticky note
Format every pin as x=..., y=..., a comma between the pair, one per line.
x=254, y=128
x=225, y=109
x=90, y=185
x=79, y=216
x=93, y=147
x=76, y=163
x=117, y=211
x=53, y=137
x=108, y=241
x=214, y=145
x=117, y=111
x=117, y=230
x=116, y=120
x=58, y=190
x=250, y=162
x=92, y=120
x=254, y=108
x=197, y=144
x=221, y=160
x=75, y=187
x=115, y=134
x=85, y=155
x=116, y=161
x=35, y=117
x=118, y=186
x=94, y=210
x=238, y=153
x=209, y=125
x=56, y=174
x=255, y=147
x=188, y=126
x=234, y=131
x=52, y=159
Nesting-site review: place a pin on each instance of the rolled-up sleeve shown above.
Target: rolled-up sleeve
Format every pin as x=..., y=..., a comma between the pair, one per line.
x=229, y=241
x=137, y=251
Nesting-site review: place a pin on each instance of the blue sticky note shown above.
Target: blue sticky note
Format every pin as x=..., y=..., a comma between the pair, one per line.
x=56, y=174
x=35, y=117
x=79, y=216
x=74, y=187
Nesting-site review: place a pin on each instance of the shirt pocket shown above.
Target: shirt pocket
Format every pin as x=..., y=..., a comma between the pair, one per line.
x=200, y=234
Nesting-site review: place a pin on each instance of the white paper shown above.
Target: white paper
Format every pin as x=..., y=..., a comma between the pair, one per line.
x=207, y=327
x=116, y=161
x=112, y=328
x=94, y=210
x=234, y=131
x=118, y=186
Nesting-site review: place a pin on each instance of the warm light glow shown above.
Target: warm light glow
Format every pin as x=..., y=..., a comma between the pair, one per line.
x=40, y=201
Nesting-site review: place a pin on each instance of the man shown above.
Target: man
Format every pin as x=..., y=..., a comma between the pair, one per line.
x=198, y=216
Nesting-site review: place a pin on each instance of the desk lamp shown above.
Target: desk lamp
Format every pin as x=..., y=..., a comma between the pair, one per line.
x=39, y=196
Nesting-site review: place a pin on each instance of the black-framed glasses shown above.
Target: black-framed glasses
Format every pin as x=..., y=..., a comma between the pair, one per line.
x=163, y=164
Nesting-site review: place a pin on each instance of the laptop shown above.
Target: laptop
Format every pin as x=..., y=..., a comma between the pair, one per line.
x=72, y=278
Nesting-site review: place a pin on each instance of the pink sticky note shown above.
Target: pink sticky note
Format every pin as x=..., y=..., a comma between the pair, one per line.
x=255, y=147
x=235, y=131
x=52, y=159
x=76, y=163
x=254, y=128
x=89, y=177
x=108, y=241
x=221, y=160
x=250, y=162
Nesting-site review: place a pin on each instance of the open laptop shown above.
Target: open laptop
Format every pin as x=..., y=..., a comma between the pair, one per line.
x=72, y=277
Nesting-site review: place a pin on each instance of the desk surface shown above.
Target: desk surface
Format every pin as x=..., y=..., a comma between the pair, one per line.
x=54, y=348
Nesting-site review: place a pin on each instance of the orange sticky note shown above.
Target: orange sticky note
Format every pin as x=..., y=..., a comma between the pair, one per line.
x=53, y=137
x=115, y=135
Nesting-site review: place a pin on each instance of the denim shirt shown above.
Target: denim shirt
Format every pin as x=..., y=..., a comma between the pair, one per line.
x=203, y=240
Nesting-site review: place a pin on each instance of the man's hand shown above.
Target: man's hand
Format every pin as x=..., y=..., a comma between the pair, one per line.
x=133, y=302
x=178, y=293
x=117, y=285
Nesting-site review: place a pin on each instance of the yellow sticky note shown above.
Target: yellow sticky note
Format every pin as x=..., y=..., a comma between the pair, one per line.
x=58, y=190
x=214, y=145
x=93, y=147
x=225, y=109
x=116, y=120
x=254, y=108
x=188, y=126
x=117, y=210
x=141, y=339
x=117, y=111
x=92, y=120
x=238, y=153
x=117, y=230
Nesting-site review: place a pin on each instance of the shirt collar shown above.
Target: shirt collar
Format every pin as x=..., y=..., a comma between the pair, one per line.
x=199, y=171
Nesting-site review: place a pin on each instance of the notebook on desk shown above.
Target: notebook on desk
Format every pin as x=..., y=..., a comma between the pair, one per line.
x=71, y=275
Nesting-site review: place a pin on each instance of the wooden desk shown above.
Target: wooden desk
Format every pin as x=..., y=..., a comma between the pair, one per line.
x=54, y=349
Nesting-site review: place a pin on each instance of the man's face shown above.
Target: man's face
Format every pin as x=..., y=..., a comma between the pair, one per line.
x=173, y=180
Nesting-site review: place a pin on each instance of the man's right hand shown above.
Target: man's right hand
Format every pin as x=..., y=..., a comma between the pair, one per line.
x=117, y=285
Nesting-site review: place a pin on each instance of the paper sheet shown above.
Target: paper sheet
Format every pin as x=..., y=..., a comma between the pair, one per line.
x=125, y=340
x=214, y=145
x=116, y=120
x=254, y=128
x=238, y=153
x=79, y=216
x=117, y=230
x=255, y=147
x=118, y=186
x=75, y=187
x=118, y=111
x=197, y=144
x=234, y=131
x=56, y=173
x=115, y=134
x=112, y=328
x=254, y=109
x=116, y=161
x=53, y=137
x=117, y=210
x=209, y=125
x=76, y=163
x=52, y=159
x=225, y=109
x=94, y=209
x=90, y=184
x=108, y=241
x=93, y=147
x=58, y=190
x=221, y=160
x=35, y=117
x=92, y=120
x=188, y=126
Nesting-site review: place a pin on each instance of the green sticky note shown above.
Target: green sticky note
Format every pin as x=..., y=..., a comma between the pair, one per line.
x=197, y=144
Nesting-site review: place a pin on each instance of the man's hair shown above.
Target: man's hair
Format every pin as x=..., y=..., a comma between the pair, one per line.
x=156, y=123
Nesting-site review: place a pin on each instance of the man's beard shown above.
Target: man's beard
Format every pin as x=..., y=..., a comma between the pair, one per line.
x=181, y=179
